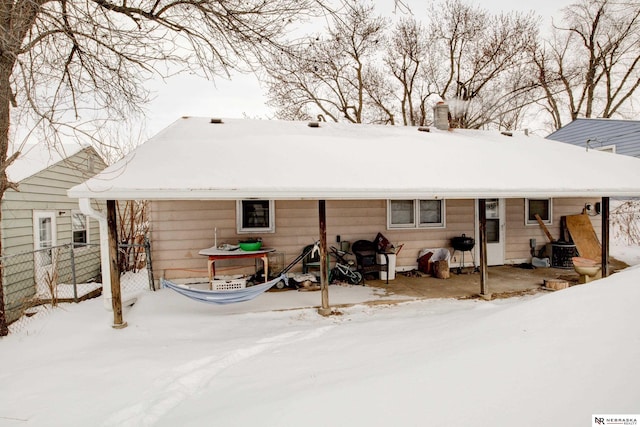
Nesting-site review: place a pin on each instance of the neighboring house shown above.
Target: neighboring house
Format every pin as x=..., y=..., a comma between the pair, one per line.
x=41, y=218
x=614, y=136
x=225, y=180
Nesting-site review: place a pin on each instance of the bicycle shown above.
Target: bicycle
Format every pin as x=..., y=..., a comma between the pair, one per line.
x=259, y=276
x=343, y=270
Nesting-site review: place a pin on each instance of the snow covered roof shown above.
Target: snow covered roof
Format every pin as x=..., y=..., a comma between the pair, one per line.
x=38, y=157
x=238, y=159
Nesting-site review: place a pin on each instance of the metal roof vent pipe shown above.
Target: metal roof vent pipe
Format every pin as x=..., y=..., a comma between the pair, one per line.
x=441, y=116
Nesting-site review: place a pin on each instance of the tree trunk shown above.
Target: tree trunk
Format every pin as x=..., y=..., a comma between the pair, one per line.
x=5, y=107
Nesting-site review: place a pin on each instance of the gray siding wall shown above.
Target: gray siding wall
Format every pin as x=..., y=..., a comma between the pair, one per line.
x=47, y=191
x=623, y=134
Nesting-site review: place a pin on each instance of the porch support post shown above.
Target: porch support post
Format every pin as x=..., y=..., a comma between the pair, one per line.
x=604, y=211
x=482, y=228
x=116, y=294
x=324, y=310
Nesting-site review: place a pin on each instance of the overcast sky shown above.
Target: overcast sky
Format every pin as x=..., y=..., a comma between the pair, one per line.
x=187, y=95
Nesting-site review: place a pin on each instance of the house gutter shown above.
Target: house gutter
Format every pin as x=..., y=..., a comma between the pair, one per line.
x=105, y=262
x=356, y=194
x=85, y=208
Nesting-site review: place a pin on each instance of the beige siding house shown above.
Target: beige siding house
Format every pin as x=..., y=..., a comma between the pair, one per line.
x=207, y=180
x=179, y=229
x=41, y=216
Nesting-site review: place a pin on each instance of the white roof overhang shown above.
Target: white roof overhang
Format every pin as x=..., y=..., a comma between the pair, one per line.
x=194, y=159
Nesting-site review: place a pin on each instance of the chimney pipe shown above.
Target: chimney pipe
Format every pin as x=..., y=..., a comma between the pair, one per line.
x=441, y=116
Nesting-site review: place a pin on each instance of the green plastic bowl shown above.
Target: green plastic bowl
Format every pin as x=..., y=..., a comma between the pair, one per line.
x=250, y=246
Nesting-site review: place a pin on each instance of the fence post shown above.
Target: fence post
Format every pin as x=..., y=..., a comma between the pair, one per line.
x=73, y=273
x=147, y=250
x=4, y=329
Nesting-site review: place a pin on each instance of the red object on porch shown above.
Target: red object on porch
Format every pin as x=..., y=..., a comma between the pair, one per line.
x=216, y=254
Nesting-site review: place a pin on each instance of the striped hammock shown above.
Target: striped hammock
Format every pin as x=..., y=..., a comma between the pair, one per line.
x=229, y=296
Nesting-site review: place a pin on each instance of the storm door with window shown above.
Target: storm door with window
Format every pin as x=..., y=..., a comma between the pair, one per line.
x=495, y=211
x=44, y=232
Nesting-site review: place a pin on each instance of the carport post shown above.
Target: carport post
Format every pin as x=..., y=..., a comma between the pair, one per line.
x=116, y=295
x=482, y=228
x=324, y=310
x=604, y=210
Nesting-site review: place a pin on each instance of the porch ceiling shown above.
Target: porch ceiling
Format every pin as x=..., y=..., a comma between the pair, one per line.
x=194, y=159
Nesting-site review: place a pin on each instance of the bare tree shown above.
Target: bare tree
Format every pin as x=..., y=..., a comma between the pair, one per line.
x=407, y=53
x=329, y=75
x=482, y=57
x=553, y=81
x=66, y=63
x=474, y=60
x=380, y=95
x=625, y=222
x=133, y=225
x=590, y=67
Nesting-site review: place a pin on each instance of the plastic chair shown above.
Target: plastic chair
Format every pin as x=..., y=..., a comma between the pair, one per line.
x=312, y=260
x=366, y=258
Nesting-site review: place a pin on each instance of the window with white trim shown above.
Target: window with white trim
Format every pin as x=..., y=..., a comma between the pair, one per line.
x=427, y=213
x=255, y=216
x=79, y=229
x=542, y=207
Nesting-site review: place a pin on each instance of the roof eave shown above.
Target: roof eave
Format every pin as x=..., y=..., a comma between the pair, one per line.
x=325, y=194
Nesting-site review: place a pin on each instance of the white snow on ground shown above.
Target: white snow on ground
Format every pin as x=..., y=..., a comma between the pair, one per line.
x=625, y=229
x=625, y=253
x=552, y=359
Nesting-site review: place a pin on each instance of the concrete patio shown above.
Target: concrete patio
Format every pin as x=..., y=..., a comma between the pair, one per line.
x=503, y=281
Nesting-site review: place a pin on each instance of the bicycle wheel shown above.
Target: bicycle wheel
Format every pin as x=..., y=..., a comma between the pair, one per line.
x=333, y=275
x=281, y=284
x=356, y=278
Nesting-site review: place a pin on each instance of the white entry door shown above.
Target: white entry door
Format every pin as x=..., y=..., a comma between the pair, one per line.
x=44, y=235
x=496, y=214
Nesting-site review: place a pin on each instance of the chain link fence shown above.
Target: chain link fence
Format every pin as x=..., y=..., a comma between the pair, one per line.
x=35, y=282
x=135, y=267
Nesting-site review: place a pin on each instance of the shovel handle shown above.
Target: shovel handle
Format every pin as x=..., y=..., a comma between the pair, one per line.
x=544, y=228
